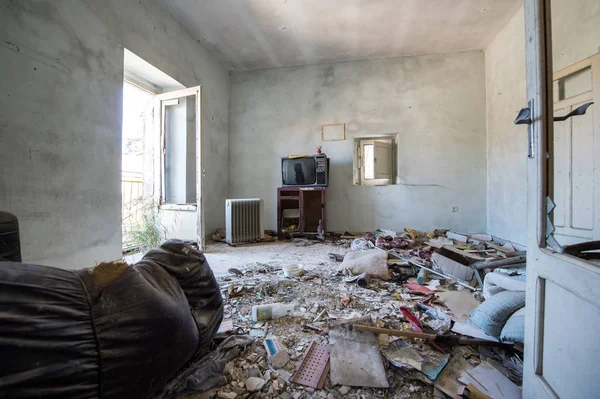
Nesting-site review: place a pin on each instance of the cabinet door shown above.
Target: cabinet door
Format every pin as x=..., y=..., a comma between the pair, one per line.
x=312, y=211
x=323, y=210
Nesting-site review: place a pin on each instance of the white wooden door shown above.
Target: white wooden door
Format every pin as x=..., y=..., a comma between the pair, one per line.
x=178, y=164
x=563, y=295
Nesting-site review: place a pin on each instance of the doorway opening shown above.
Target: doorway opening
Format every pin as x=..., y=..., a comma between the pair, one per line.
x=161, y=158
x=138, y=106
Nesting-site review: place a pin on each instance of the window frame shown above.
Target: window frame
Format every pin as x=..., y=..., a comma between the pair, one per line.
x=358, y=167
x=161, y=102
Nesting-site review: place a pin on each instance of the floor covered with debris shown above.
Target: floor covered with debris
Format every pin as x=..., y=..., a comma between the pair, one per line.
x=318, y=349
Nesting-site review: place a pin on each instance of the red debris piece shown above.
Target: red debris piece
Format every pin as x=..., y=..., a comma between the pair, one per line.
x=408, y=315
x=419, y=288
x=412, y=319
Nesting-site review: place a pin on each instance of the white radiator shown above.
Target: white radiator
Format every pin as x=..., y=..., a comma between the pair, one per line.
x=244, y=220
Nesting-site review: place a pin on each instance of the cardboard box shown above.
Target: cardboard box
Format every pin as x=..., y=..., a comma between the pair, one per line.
x=452, y=264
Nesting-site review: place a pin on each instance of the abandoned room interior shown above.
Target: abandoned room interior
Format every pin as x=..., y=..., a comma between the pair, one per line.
x=243, y=199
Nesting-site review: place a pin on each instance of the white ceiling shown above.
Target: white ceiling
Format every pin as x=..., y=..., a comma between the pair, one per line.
x=255, y=34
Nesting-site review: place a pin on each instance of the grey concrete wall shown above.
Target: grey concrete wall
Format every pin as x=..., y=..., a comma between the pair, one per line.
x=576, y=36
x=60, y=118
x=507, y=143
x=575, y=31
x=436, y=103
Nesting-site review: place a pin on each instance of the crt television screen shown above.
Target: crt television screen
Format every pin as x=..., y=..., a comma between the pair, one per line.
x=299, y=171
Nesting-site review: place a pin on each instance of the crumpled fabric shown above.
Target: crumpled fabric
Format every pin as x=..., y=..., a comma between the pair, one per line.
x=387, y=242
x=496, y=282
x=207, y=372
x=373, y=262
x=360, y=244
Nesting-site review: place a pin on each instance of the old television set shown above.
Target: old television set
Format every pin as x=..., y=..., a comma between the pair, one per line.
x=305, y=171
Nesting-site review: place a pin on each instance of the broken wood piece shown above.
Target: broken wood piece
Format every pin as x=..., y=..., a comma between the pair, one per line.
x=319, y=315
x=416, y=323
x=463, y=253
x=471, y=392
x=313, y=328
x=443, y=339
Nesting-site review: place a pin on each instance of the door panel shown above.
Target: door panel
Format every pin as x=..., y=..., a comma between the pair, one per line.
x=562, y=297
x=582, y=159
x=563, y=312
x=574, y=155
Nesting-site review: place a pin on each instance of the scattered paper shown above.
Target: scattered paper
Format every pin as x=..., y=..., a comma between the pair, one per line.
x=447, y=381
x=433, y=284
x=491, y=382
x=406, y=297
x=386, y=233
x=428, y=362
x=471, y=330
x=461, y=303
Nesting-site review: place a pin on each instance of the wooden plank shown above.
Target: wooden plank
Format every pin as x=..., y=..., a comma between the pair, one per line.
x=571, y=69
x=463, y=253
x=575, y=100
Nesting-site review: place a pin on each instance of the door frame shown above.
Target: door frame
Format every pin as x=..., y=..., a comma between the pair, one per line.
x=543, y=263
x=159, y=161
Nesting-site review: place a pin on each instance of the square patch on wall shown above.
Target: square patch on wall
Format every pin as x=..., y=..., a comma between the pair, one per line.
x=333, y=132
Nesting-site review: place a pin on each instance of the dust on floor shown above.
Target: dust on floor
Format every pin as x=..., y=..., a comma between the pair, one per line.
x=319, y=297
x=221, y=256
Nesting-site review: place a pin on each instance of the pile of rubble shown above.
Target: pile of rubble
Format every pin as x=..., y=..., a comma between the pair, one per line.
x=327, y=310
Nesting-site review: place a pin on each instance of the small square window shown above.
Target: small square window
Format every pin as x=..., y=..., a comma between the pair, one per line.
x=374, y=161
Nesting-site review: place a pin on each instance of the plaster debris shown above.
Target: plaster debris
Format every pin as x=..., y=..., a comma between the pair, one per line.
x=254, y=384
x=321, y=301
